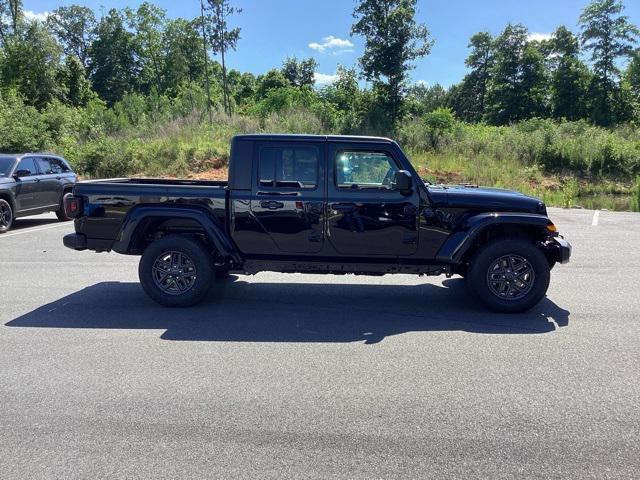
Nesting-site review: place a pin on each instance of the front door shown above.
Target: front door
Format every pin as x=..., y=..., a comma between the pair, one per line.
x=366, y=215
x=27, y=197
x=288, y=197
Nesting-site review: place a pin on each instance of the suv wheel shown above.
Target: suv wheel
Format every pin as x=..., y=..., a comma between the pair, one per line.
x=176, y=271
x=60, y=213
x=509, y=275
x=6, y=216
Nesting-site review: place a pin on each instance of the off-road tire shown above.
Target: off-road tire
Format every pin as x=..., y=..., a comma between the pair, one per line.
x=491, y=293
x=153, y=264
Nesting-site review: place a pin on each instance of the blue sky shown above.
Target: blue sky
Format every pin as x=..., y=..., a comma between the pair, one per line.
x=274, y=29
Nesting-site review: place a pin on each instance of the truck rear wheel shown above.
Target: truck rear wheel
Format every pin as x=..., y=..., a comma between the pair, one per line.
x=509, y=275
x=176, y=271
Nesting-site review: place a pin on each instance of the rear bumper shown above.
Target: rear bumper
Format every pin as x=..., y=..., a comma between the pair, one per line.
x=75, y=241
x=561, y=249
x=79, y=241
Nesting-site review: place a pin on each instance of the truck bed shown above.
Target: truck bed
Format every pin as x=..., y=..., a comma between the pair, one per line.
x=107, y=201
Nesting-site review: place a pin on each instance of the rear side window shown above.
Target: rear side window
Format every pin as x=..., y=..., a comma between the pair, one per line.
x=45, y=166
x=27, y=165
x=294, y=167
x=58, y=166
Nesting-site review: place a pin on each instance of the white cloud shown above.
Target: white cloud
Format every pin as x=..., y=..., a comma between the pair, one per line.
x=539, y=37
x=31, y=16
x=423, y=83
x=324, y=79
x=337, y=45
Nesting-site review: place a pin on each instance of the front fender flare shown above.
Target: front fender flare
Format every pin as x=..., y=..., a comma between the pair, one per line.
x=130, y=230
x=453, y=249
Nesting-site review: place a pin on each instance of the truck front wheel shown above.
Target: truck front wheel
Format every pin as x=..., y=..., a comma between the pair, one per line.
x=176, y=271
x=509, y=275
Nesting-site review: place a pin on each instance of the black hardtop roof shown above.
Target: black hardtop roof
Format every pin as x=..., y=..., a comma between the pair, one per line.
x=280, y=137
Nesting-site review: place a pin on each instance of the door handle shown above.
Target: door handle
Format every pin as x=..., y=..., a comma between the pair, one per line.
x=36, y=180
x=343, y=207
x=271, y=205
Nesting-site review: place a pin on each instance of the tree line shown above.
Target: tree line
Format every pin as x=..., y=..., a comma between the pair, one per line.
x=138, y=63
x=567, y=76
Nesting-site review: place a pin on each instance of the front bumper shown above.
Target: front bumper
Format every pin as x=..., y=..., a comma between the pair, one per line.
x=561, y=249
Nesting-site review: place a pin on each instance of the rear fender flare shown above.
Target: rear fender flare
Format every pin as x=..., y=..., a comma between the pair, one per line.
x=134, y=221
x=454, y=248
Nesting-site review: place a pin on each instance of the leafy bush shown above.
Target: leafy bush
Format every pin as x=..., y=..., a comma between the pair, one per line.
x=105, y=157
x=439, y=123
x=22, y=128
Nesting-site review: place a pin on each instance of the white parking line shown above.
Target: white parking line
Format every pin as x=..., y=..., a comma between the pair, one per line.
x=596, y=217
x=29, y=230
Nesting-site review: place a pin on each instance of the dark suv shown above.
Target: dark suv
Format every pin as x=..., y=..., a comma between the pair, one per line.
x=33, y=183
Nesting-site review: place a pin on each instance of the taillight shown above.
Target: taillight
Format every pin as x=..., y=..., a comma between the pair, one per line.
x=73, y=207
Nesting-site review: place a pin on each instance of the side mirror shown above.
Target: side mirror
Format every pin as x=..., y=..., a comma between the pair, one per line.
x=21, y=173
x=402, y=181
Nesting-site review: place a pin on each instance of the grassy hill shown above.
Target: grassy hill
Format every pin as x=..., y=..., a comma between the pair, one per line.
x=567, y=164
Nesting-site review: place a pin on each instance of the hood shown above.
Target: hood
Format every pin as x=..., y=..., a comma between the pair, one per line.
x=469, y=196
x=5, y=180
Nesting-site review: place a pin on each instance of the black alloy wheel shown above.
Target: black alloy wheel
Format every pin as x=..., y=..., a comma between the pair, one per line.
x=6, y=216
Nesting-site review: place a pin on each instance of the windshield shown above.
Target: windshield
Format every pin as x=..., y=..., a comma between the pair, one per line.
x=5, y=166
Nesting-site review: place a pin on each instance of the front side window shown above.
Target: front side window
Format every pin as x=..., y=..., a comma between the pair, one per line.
x=295, y=167
x=27, y=167
x=361, y=169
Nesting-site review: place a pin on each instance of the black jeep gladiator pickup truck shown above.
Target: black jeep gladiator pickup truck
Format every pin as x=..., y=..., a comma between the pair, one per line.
x=320, y=204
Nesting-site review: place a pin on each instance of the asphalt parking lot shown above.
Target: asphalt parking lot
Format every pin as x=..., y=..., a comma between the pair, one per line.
x=315, y=376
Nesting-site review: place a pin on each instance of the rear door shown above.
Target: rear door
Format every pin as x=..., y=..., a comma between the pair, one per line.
x=50, y=186
x=288, y=197
x=27, y=184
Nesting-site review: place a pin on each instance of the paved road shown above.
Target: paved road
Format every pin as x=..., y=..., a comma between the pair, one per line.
x=311, y=376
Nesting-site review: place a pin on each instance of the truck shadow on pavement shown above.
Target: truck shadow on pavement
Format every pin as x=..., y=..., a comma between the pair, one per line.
x=237, y=311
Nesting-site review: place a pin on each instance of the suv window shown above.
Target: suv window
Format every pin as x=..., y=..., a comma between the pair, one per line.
x=27, y=164
x=44, y=165
x=362, y=169
x=58, y=166
x=295, y=167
